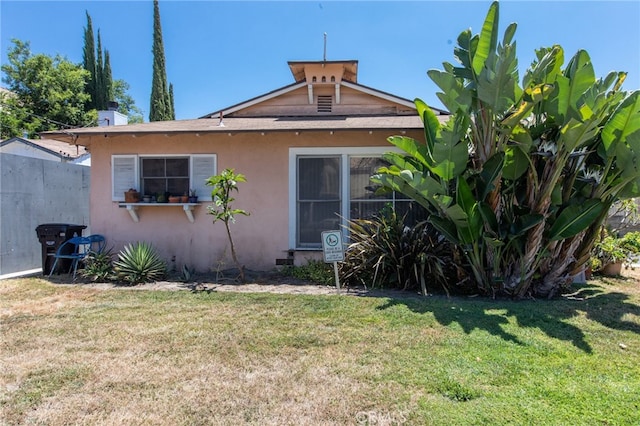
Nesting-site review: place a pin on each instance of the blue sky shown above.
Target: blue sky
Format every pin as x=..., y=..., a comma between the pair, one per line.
x=222, y=53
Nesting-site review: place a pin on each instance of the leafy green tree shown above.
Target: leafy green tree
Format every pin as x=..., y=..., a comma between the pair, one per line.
x=49, y=91
x=223, y=185
x=161, y=100
x=126, y=104
x=521, y=177
x=14, y=119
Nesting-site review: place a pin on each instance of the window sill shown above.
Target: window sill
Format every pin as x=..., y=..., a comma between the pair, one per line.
x=132, y=208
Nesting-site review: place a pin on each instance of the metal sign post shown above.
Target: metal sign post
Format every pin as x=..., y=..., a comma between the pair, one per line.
x=333, y=251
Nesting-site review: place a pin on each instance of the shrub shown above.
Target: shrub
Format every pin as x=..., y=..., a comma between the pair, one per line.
x=99, y=266
x=315, y=270
x=139, y=263
x=386, y=253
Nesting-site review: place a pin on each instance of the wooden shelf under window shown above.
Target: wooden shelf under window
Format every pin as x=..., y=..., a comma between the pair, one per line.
x=132, y=208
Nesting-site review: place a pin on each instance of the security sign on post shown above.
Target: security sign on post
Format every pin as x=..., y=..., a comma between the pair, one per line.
x=332, y=246
x=333, y=251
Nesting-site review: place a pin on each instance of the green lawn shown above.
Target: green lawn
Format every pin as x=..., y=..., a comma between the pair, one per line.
x=76, y=355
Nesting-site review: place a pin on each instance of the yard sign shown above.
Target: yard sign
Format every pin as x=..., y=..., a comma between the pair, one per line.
x=333, y=251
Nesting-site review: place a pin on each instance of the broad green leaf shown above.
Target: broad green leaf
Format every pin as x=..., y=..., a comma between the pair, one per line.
x=623, y=122
x=430, y=122
x=547, y=68
x=464, y=51
x=489, y=218
x=516, y=162
x=524, y=223
x=575, y=219
x=497, y=84
x=412, y=147
x=454, y=96
x=491, y=170
x=471, y=230
x=530, y=98
x=446, y=228
x=509, y=33
x=449, y=160
x=575, y=133
x=488, y=38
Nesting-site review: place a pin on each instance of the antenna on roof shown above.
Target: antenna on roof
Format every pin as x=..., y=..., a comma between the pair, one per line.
x=325, y=48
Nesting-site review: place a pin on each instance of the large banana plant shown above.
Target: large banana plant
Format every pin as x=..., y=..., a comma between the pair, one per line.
x=520, y=176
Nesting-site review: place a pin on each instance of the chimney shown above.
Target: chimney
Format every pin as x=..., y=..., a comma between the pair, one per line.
x=111, y=117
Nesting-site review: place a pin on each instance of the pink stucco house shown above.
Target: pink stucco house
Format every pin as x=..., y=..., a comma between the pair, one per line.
x=307, y=150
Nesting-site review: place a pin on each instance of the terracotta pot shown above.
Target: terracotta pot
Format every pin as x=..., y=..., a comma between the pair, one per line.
x=131, y=197
x=184, y=199
x=612, y=269
x=174, y=199
x=588, y=273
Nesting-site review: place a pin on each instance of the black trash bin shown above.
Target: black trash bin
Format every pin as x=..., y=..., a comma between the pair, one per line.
x=51, y=236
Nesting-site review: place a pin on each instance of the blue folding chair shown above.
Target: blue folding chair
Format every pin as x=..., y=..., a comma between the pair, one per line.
x=74, y=249
x=98, y=242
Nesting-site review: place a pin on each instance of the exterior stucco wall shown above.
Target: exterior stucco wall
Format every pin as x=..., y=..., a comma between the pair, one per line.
x=263, y=159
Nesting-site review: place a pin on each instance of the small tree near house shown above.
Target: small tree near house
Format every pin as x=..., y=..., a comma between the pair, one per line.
x=223, y=185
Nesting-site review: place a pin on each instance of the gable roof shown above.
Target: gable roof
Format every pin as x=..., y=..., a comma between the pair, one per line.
x=289, y=108
x=57, y=148
x=292, y=87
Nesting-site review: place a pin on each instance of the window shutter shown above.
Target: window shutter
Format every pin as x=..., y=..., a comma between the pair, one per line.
x=203, y=166
x=124, y=175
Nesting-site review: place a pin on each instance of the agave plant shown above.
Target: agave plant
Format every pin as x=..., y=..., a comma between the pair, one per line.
x=139, y=263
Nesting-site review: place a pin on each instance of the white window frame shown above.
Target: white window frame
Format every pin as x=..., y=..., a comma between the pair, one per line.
x=133, y=180
x=345, y=199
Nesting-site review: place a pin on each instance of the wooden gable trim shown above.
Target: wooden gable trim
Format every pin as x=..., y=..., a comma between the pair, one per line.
x=379, y=94
x=255, y=101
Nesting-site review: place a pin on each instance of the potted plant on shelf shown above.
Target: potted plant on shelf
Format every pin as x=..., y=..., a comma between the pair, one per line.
x=132, y=196
x=193, y=198
x=184, y=198
x=174, y=198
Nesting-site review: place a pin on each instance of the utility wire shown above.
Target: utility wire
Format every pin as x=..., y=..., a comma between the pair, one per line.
x=69, y=126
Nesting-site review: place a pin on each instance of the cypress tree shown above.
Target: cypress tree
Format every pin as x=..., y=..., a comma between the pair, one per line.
x=159, y=109
x=171, y=103
x=108, y=79
x=99, y=99
x=89, y=61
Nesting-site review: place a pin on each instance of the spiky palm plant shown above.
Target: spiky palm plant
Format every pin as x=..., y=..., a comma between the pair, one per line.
x=385, y=253
x=139, y=263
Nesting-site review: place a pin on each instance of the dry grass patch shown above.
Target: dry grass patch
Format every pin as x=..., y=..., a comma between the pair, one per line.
x=78, y=355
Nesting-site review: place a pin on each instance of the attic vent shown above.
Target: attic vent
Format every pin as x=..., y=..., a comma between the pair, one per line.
x=324, y=103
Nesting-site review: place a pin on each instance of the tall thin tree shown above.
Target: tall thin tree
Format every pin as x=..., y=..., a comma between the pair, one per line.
x=108, y=79
x=89, y=61
x=171, y=102
x=100, y=95
x=160, y=108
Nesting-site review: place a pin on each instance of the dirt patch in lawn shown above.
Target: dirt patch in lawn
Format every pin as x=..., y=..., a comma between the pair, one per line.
x=256, y=282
